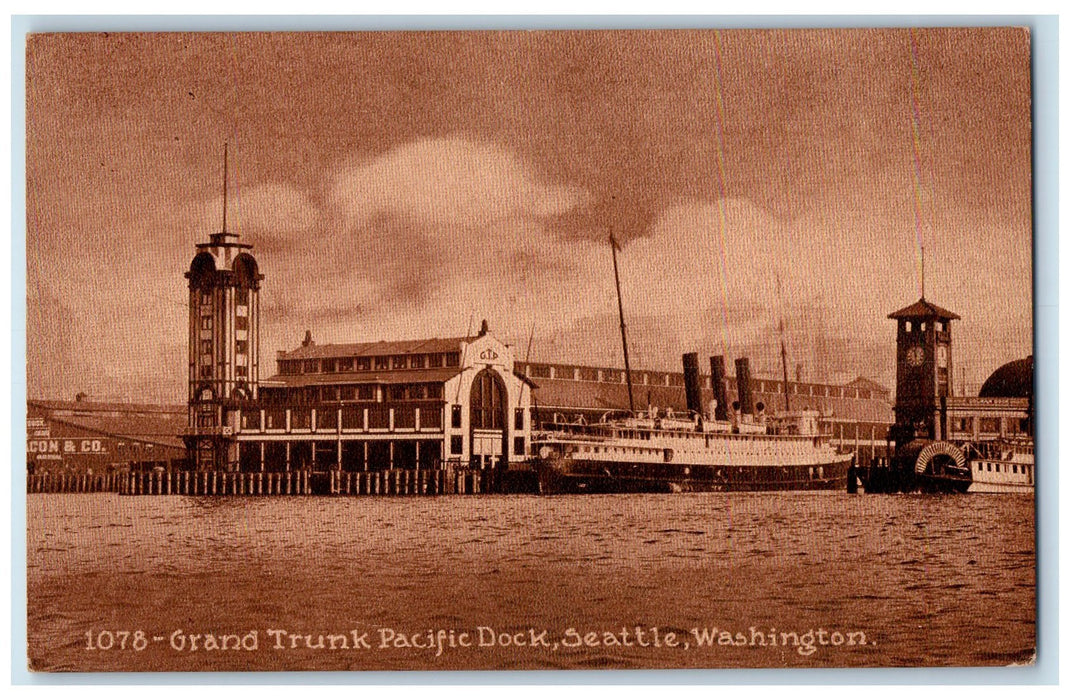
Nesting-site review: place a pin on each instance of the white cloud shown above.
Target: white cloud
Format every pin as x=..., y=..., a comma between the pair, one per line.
x=450, y=181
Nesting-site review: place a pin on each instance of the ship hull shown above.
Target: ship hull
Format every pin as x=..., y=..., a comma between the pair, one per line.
x=563, y=475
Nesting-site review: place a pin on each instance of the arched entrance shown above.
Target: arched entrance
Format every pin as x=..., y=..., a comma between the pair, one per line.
x=489, y=424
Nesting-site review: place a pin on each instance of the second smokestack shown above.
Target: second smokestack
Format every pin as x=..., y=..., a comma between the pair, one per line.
x=720, y=395
x=746, y=400
x=692, y=386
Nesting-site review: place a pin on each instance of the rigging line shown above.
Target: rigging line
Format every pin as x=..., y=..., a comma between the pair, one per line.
x=915, y=130
x=722, y=185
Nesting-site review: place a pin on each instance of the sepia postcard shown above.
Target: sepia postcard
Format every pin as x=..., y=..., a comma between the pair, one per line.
x=521, y=350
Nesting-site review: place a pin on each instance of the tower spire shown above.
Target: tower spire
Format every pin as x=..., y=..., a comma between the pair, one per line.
x=923, y=272
x=225, y=188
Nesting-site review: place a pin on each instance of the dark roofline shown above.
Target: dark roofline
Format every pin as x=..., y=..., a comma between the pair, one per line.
x=923, y=308
x=102, y=406
x=371, y=348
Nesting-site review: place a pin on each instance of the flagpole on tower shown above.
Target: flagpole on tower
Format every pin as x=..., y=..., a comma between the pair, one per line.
x=224, y=187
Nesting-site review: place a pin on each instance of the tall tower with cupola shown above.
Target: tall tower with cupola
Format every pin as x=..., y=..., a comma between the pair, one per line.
x=923, y=369
x=224, y=342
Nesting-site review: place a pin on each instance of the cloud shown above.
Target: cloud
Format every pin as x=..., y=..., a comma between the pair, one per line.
x=450, y=181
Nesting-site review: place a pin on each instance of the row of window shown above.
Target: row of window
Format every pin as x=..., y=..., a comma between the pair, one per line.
x=996, y=467
x=206, y=369
x=990, y=424
x=921, y=326
x=613, y=376
x=329, y=365
x=241, y=323
x=241, y=296
x=352, y=418
x=354, y=392
x=378, y=418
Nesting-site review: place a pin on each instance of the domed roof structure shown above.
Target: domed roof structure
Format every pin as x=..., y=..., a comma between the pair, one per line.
x=1012, y=380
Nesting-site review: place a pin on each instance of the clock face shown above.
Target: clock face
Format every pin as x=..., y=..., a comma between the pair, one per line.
x=915, y=356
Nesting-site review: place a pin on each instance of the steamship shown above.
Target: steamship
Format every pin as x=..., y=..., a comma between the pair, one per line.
x=661, y=452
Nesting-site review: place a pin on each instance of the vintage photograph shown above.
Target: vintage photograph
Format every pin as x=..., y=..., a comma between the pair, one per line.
x=530, y=350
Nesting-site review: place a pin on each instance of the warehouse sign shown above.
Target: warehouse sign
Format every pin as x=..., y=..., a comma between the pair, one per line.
x=66, y=445
x=41, y=442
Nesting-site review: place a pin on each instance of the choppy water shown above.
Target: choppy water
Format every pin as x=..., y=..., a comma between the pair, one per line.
x=928, y=580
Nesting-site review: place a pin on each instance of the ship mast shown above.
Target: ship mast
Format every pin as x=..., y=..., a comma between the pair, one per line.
x=783, y=349
x=623, y=333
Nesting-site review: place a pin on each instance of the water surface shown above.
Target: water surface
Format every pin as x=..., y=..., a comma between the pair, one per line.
x=929, y=580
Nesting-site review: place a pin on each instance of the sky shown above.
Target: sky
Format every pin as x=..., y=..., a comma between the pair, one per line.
x=409, y=185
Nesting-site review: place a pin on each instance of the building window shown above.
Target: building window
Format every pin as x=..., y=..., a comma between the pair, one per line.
x=366, y=392
x=311, y=366
x=399, y=362
x=345, y=364
x=588, y=374
x=327, y=419
x=456, y=444
x=417, y=361
x=241, y=323
x=518, y=419
x=275, y=418
x=434, y=391
x=206, y=323
x=455, y=416
x=250, y=420
x=989, y=425
x=329, y=365
x=453, y=359
x=404, y=418
x=206, y=298
x=488, y=402
x=382, y=363
x=206, y=371
x=397, y=392
x=206, y=347
x=518, y=445
x=430, y=417
x=542, y=371
x=241, y=371
x=353, y=418
x=379, y=417
x=241, y=296
x=348, y=393
x=241, y=346
x=434, y=360
x=301, y=419
x=364, y=364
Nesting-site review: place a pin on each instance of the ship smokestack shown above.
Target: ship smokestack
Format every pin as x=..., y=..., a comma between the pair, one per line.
x=746, y=400
x=720, y=411
x=692, y=386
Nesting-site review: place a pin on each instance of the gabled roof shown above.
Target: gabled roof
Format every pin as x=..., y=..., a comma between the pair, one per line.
x=382, y=347
x=924, y=309
x=159, y=425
